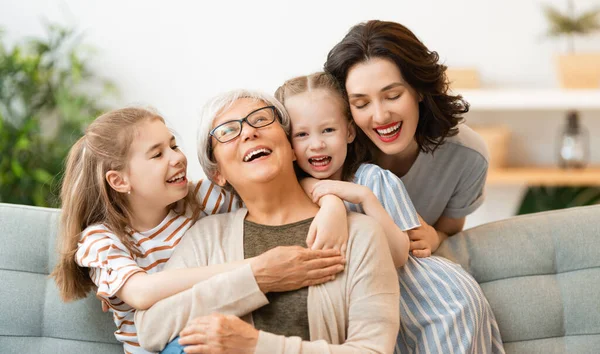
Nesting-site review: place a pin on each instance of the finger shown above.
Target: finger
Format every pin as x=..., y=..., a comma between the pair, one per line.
x=314, y=254
x=414, y=236
x=325, y=272
x=343, y=250
x=312, y=234
x=193, y=339
x=192, y=328
x=104, y=307
x=424, y=253
x=418, y=245
x=321, y=263
x=312, y=282
x=197, y=349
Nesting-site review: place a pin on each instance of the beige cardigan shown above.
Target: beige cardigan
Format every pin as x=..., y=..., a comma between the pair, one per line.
x=358, y=312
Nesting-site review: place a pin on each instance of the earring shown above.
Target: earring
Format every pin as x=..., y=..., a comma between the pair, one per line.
x=129, y=192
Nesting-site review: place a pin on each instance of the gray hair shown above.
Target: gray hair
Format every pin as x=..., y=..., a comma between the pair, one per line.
x=217, y=106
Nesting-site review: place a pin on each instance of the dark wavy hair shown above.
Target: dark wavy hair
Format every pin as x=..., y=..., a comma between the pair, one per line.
x=439, y=112
x=358, y=151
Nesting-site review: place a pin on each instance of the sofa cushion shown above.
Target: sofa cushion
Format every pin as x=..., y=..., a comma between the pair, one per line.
x=34, y=319
x=541, y=275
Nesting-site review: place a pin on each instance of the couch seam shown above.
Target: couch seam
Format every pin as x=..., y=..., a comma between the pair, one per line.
x=566, y=335
x=536, y=275
x=77, y=340
x=24, y=271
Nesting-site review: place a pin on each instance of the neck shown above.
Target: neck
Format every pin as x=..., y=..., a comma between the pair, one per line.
x=401, y=162
x=146, y=217
x=278, y=202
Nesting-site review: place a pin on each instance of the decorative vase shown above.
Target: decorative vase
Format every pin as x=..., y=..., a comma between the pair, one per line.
x=574, y=144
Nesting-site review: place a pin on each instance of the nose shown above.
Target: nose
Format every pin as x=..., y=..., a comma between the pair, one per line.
x=248, y=132
x=177, y=158
x=317, y=143
x=381, y=114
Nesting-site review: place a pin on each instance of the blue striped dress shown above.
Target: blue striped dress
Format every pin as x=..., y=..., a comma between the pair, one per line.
x=442, y=308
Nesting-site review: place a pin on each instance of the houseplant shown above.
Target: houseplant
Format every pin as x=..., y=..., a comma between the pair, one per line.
x=48, y=95
x=576, y=70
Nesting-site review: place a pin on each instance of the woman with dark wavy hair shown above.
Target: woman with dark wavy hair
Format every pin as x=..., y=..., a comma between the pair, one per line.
x=398, y=96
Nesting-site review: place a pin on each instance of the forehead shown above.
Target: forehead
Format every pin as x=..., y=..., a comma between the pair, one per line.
x=318, y=105
x=238, y=110
x=373, y=72
x=150, y=132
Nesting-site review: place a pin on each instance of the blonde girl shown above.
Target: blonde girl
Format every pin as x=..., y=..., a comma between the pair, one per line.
x=126, y=204
x=442, y=308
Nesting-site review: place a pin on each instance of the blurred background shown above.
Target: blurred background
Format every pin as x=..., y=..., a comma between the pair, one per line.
x=63, y=62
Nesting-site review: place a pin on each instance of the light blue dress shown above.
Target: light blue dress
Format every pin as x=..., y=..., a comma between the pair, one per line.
x=442, y=308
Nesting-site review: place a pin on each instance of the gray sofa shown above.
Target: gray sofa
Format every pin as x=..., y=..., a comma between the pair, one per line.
x=540, y=273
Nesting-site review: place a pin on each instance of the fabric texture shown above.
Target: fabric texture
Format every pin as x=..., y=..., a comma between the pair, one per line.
x=391, y=193
x=541, y=275
x=442, y=308
x=355, y=313
x=111, y=264
x=450, y=181
x=286, y=312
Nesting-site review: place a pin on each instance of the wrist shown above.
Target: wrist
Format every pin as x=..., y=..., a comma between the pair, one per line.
x=258, y=268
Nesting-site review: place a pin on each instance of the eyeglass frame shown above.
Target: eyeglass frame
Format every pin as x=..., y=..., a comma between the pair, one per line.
x=241, y=121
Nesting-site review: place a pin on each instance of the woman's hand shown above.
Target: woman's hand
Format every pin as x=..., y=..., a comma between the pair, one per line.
x=329, y=228
x=350, y=192
x=424, y=240
x=218, y=333
x=287, y=268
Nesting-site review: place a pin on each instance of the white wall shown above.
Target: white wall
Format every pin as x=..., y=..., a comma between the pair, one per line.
x=175, y=55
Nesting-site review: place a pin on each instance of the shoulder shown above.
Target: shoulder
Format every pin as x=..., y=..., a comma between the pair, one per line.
x=97, y=233
x=215, y=226
x=468, y=143
x=362, y=228
x=367, y=173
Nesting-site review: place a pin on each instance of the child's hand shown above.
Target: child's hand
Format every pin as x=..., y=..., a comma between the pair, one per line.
x=350, y=192
x=329, y=228
x=424, y=240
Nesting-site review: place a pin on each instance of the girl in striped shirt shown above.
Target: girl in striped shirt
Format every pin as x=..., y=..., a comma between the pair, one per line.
x=443, y=309
x=126, y=204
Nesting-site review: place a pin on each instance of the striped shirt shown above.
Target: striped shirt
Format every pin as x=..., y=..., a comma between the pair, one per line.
x=110, y=263
x=390, y=191
x=442, y=308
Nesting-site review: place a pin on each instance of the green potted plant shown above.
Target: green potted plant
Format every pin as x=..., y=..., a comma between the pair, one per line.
x=576, y=70
x=48, y=95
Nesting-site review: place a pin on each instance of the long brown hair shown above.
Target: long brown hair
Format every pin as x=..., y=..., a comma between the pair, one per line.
x=87, y=198
x=439, y=112
x=357, y=151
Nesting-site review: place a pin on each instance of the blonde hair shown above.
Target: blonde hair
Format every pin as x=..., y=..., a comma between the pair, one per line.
x=88, y=199
x=358, y=152
x=217, y=106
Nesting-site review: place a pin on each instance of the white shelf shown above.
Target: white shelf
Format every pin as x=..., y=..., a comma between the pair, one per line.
x=530, y=99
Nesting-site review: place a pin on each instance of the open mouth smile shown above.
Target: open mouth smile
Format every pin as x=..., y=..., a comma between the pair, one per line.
x=390, y=132
x=257, y=154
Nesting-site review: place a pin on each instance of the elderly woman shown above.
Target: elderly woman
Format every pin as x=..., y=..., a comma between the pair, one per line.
x=243, y=145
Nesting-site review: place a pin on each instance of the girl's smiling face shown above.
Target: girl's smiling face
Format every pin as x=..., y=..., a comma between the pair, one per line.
x=320, y=132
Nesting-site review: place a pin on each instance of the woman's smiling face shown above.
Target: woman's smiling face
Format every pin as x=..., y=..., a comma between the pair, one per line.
x=257, y=155
x=383, y=105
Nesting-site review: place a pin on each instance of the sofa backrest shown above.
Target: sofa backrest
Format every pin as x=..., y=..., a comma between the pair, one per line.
x=33, y=318
x=541, y=275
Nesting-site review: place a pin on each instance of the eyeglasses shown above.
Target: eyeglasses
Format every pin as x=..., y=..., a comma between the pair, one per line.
x=232, y=129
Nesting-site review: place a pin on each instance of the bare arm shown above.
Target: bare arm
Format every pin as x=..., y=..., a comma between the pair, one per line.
x=140, y=291
x=357, y=194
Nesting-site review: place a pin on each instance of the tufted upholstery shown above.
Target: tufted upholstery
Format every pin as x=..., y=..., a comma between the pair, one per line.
x=32, y=317
x=541, y=275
